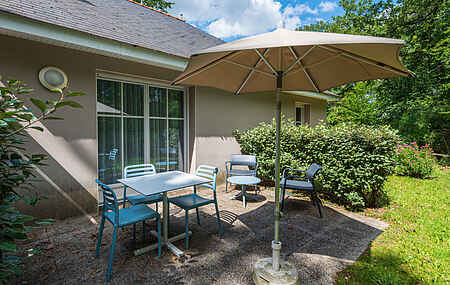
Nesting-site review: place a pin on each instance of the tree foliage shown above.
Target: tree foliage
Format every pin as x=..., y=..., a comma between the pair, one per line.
x=417, y=106
x=17, y=166
x=158, y=4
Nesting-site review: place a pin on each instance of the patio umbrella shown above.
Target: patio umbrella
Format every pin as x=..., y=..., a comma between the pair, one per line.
x=285, y=60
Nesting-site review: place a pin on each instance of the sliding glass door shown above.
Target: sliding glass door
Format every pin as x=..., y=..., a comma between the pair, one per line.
x=138, y=123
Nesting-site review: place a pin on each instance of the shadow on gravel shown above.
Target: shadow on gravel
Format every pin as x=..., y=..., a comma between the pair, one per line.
x=318, y=247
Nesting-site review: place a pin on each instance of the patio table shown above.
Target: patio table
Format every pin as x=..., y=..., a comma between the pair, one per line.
x=243, y=181
x=163, y=183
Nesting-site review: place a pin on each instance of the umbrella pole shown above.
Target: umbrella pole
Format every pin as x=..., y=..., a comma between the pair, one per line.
x=276, y=244
x=271, y=271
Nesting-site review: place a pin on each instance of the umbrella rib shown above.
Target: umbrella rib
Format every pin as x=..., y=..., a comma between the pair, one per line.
x=208, y=66
x=366, y=60
x=266, y=62
x=251, y=72
x=299, y=62
x=248, y=67
x=297, y=59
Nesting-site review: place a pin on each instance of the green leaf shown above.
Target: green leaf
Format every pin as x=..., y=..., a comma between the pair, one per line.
x=24, y=91
x=53, y=118
x=74, y=94
x=37, y=128
x=58, y=90
x=8, y=246
x=69, y=103
x=38, y=103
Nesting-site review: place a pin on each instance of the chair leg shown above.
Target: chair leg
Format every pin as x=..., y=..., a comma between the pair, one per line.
x=158, y=222
x=219, y=223
x=198, y=216
x=318, y=204
x=99, y=238
x=226, y=185
x=186, y=224
x=282, y=193
x=124, y=196
x=111, y=255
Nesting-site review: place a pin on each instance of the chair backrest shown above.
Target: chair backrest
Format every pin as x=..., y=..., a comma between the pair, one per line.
x=109, y=199
x=312, y=171
x=243, y=159
x=208, y=172
x=139, y=170
x=113, y=153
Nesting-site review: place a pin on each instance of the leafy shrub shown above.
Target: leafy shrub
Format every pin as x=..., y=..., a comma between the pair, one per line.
x=356, y=160
x=414, y=161
x=16, y=167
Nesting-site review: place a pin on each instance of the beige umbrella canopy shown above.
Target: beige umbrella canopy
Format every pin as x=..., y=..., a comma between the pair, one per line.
x=286, y=60
x=310, y=61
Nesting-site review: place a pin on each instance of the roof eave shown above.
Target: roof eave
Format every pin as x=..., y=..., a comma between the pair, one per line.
x=22, y=27
x=328, y=96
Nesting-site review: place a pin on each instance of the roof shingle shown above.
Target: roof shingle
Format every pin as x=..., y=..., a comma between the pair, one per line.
x=119, y=20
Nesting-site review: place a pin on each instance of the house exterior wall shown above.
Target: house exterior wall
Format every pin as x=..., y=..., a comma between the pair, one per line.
x=218, y=113
x=68, y=180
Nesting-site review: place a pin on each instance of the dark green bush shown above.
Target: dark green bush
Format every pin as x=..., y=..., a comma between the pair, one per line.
x=356, y=160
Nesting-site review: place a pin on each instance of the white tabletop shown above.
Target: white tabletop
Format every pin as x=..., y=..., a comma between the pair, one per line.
x=247, y=180
x=162, y=182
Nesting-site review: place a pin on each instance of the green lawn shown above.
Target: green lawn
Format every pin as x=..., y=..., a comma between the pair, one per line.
x=415, y=249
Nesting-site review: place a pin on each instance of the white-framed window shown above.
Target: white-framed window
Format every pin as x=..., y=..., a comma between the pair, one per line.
x=302, y=113
x=139, y=123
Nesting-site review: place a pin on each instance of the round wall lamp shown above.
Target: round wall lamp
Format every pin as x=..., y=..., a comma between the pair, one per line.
x=52, y=77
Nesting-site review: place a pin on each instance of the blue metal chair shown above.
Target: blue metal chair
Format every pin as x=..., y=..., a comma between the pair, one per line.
x=303, y=182
x=194, y=201
x=240, y=160
x=121, y=218
x=135, y=171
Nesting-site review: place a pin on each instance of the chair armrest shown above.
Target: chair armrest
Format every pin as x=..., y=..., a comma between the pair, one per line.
x=294, y=170
x=256, y=168
x=293, y=176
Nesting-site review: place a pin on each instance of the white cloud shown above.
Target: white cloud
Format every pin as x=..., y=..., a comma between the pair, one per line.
x=327, y=6
x=231, y=18
x=299, y=10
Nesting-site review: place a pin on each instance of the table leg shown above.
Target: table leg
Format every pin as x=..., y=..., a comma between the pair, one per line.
x=165, y=237
x=243, y=196
x=165, y=218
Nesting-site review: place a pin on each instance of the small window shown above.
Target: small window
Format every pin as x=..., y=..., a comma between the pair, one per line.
x=302, y=114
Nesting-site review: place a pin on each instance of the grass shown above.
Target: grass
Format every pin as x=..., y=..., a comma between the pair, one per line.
x=415, y=249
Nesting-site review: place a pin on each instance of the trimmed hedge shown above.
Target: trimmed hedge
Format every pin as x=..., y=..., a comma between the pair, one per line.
x=356, y=160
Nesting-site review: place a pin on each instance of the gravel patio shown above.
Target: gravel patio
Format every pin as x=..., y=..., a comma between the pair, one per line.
x=318, y=247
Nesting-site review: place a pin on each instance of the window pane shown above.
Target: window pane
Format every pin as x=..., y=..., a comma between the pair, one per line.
x=158, y=144
x=108, y=97
x=133, y=138
x=176, y=104
x=298, y=114
x=109, y=150
x=176, y=145
x=158, y=102
x=133, y=99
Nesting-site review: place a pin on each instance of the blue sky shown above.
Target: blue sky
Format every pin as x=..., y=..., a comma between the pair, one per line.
x=234, y=19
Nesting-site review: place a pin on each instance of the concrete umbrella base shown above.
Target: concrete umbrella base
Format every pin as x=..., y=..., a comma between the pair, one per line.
x=265, y=275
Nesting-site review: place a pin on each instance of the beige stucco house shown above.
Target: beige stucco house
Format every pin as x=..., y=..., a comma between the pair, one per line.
x=124, y=57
